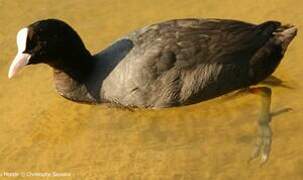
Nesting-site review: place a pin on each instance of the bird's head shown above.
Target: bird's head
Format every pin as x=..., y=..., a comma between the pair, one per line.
x=49, y=41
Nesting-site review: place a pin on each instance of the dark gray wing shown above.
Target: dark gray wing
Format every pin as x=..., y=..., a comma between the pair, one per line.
x=194, y=41
x=172, y=61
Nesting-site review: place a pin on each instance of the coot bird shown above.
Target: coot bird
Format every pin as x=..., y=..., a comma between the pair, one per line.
x=173, y=63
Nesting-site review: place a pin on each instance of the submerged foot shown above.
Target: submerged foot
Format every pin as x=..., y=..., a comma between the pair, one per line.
x=264, y=139
x=263, y=144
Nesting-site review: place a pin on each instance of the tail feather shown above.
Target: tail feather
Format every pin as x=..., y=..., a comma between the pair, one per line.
x=284, y=35
x=267, y=28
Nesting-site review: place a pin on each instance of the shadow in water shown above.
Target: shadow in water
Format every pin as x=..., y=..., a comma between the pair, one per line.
x=275, y=82
x=270, y=81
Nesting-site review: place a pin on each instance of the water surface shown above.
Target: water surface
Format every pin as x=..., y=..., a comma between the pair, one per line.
x=42, y=132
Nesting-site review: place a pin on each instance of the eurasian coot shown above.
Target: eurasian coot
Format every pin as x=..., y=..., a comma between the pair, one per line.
x=173, y=63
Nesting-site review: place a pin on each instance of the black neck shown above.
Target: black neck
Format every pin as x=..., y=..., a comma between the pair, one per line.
x=78, y=65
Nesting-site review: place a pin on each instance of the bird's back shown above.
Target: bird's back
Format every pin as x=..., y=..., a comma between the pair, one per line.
x=186, y=61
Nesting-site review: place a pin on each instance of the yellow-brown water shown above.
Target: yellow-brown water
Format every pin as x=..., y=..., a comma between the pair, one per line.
x=42, y=132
